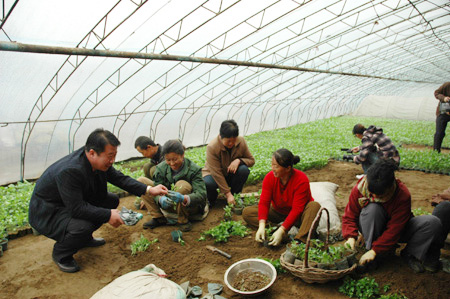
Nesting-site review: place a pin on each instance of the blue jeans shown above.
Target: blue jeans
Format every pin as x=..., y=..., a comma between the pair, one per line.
x=235, y=181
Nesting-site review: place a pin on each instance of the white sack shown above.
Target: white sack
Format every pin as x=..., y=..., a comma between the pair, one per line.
x=148, y=282
x=323, y=193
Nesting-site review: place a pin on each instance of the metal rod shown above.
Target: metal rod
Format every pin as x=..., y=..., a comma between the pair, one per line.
x=9, y=13
x=19, y=47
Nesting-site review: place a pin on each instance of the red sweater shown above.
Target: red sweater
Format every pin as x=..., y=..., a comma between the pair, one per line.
x=288, y=200
x=398, y=210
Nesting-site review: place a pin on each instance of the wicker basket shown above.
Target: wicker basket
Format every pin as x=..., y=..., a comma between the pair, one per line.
x=309, y=274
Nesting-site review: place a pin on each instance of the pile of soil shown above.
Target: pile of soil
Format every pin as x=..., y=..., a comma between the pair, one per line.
x=249, y=281
x=27, y=270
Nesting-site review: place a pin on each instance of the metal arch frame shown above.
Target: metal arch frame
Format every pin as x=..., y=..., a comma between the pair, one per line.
x=205, y=128
x=145, y=50
x=53, y=86
x=207, y=46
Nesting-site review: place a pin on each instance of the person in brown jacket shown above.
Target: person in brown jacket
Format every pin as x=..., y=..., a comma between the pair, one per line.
x=228, y=159
x=442, y=94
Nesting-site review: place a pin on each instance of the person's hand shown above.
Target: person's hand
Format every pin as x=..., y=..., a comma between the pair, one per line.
x=355, y=149
x=114, y=219
x=367, y=257
x=157, y=190
x=230, y=199
x=447, y=99
x=233, y=166
x=175, y=196
x=350, y=243
x=436, y=199
x=260, y=233
x=165, y=202
x=277, y=237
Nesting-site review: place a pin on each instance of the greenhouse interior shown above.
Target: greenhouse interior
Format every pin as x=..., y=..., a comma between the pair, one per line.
x=282, y=74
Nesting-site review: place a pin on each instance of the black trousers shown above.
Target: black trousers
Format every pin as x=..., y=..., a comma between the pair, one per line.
x=441, y=125
x=235, y=181
x=79, y=232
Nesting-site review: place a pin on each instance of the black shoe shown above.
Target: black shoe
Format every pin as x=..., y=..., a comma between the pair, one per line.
x=432, y=266
x=155, y=222
x=185, y=227
x=412, y=262
x=95, y=242
x=68, y=265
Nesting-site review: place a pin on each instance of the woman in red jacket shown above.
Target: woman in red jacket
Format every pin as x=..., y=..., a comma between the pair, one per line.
x=380, y=208
x=286, y=197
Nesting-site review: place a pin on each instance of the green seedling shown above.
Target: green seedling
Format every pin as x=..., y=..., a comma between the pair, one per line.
x=141, y=245
x=276, y=264
x=223, y=231
x=228, y=212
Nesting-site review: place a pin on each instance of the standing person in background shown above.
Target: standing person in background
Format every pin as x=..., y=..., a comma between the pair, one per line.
x=375, y=145
x=70, y=200
x=442, y=94
x=379, y=207
x=227, y=161
x=149, y=149
x=188, y=200
x=285, y=197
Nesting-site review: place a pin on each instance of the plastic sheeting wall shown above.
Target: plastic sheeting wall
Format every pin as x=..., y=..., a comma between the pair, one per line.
x=50, y=103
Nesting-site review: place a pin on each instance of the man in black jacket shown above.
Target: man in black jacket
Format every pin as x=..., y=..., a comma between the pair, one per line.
x=70, y=200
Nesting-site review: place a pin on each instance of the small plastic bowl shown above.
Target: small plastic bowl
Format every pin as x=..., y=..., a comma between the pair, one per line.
x=254, y=264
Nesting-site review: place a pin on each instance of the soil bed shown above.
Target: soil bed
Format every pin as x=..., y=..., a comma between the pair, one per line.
x=27, y=270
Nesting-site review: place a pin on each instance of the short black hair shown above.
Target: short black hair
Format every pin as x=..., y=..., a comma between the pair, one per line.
x=380, y=176
x=358, y=129
x=229, y=129
x=173, y=146
x=99, y=139
x=143, y=142
x=285, y=158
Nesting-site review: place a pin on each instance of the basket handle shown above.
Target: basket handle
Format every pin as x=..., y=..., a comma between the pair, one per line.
x=314, y=226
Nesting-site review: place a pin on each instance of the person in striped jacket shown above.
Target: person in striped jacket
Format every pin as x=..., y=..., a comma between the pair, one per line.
x=375, y=145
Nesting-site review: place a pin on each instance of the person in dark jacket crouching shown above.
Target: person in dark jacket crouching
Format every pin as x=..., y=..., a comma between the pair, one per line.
x=70, y=200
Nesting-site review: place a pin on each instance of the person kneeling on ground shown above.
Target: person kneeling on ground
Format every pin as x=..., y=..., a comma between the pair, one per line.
x=375, y=145
x=379, y=207
x=70, y=200
x=189, y=199
x=285, y=197
x=441, y=203
x=228, y=159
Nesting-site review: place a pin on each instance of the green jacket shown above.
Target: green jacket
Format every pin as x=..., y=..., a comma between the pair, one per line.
x=190, y=172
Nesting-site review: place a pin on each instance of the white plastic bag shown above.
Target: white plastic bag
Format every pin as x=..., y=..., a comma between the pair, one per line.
x=149, y=282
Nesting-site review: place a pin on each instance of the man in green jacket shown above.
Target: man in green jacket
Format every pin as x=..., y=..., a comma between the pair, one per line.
x=187, y=199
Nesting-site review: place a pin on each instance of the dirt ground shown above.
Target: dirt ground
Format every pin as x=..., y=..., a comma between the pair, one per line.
x=27, y=270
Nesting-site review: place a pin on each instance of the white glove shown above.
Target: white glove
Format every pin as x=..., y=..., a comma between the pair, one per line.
x=260, y=234
x=367, y=257
x=277, y=236
x=350, y=243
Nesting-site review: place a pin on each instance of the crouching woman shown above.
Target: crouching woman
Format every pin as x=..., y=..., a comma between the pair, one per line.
x=285, y=197
x=380, y=208
x=188, y=201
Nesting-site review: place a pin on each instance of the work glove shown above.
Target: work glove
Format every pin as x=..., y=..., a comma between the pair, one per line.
x=175, y=196
x=260, y=234
x=277, y=237
x=165, y=202
x=350, y=243
x=367, y=257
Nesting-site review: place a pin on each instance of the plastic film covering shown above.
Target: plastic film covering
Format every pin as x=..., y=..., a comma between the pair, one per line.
x=343, y=52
